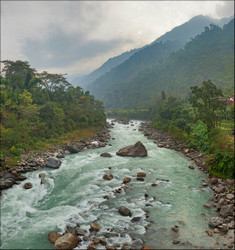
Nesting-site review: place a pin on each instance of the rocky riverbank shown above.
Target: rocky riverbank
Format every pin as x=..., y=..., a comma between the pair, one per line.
x=223, y=199
x=10, y=176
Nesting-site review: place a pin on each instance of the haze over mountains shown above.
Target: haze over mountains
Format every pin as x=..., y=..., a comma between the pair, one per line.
x=116, y=80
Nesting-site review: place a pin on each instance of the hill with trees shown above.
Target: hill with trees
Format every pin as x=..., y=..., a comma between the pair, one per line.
x=150, y=55
x=209, y=55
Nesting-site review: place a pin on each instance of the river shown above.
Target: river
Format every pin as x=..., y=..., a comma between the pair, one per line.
x=74, y=194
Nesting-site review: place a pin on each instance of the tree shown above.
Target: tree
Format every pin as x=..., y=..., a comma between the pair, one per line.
x=17, y=73
x=163, y=95
x=206, y=103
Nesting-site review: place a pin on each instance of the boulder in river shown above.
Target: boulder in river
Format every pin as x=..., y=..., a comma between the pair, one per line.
x=106, y=155
x=137, y=150
x=53, y=162
x=67, y=241
x=108, y=177
x=94, y=227
x=28, y=185
x=53, y=236
x=43, y=181
x=226, y=210
x=5, y=183
x=141, y=174
x=215, y=221
x=124, y=211
x=126, y=180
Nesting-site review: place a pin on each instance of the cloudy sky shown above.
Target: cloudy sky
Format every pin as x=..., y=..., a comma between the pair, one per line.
x=76, y=37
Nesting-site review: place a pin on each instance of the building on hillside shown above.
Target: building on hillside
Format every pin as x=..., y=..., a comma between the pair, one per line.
x=230, y=99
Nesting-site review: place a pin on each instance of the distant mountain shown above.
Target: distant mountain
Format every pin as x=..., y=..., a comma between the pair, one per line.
x=182, y=34
x=209, y=55
x=106, y=67
x=190, y=29
x=150, y=55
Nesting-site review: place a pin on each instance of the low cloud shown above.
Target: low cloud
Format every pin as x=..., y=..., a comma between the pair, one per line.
x=78, y=36
x=62, y=49
x=225, y=9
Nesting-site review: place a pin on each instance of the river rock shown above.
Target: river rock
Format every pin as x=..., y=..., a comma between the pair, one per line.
x=52, y=162
x=141, y=174
x=137, y=244
x=92, y=246
x=191, y=167
x=214, y=180
x=124, y=211
x=81, y=232
x=103, y=242
x=230, y=196
x=215, y=222
x=42, y=175
x=43, y=181
x=20, y=178
x=126, y=180
x=72, y=148
x=28, y=185
x=137, y=150
x=175, y=241
x=53, y=236
x=94, y=227
x=140, y=179
x=223, y=228
x=136, y=219
x=67, y=241
x=60, y=155
x=175, y=229
x=209, y=233
x=5, y=183
x=226, y=210
x=106, y=155
x=110, y=247
x=108, y=177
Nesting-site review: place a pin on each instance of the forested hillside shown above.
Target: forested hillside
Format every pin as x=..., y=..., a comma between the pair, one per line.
x=128, y=70
x=209, y=55
x=39, y=106
x=150, y=55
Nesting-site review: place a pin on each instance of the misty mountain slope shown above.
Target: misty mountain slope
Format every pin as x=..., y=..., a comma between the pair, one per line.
x=182, y=34
x=190, y=29
x=130, y=68
x=150, y=55
x=209, y=55
x=106, y=67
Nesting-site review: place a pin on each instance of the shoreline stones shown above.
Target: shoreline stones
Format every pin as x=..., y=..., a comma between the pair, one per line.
x=32, y=161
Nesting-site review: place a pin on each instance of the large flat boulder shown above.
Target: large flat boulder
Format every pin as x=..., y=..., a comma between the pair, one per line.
x=137, y=150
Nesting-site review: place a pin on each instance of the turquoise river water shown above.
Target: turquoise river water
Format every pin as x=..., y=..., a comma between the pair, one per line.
x=74, y=194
